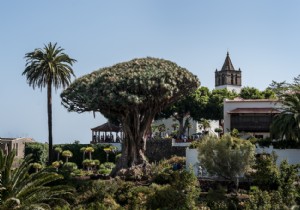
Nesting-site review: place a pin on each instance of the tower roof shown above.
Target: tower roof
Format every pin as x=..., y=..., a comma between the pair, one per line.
x=227, y=66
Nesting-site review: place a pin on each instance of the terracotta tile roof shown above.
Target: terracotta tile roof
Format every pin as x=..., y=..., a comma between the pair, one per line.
x=254, y=111
x=107, y=127
x=249, y=100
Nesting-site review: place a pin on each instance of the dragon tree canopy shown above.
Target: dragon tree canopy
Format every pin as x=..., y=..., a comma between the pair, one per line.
x=132, y=92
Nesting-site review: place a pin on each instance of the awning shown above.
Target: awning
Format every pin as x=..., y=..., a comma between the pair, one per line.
x=254, y=111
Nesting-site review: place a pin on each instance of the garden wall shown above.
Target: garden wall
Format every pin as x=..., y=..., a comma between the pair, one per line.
x=291, y=155
x=157, y=150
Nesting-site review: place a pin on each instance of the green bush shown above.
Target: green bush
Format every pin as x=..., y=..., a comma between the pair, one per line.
x=104, y=171
x=109, y=165
x=123, y=192
x=105, y=168
x=39, y=152
x=67, y=170
x=288, y=178
x=165, y=197
x=228, y=157
x=137, y=197
x=96, y=194
x=162, y=172
x=219, y=194
x=266, y=176
x=265, y=200
x=182, y=192
x=218, y=205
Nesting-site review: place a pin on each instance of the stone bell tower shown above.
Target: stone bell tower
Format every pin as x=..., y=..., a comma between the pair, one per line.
x=228, y=77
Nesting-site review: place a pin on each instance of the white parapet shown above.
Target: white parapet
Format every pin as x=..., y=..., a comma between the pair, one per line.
x=191, y=161
x=291, y=155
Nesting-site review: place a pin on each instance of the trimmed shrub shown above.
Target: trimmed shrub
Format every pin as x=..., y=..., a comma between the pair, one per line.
x=98, y=153
x=38, y=150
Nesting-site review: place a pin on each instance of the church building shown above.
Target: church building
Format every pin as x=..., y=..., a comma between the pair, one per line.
x=228, y=77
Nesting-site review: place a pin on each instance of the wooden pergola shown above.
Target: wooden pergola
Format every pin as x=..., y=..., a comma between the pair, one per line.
x=107, y=133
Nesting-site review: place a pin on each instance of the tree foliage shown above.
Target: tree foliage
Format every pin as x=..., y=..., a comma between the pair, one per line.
x=269, y=177
x=44, y=68
x=215, y=105
x=254, y=93
x=227, y=157
x=286, y=125
x=190, y=107
x=283, y=88
x=39, y=151
x=133, y=92
x=266, y=175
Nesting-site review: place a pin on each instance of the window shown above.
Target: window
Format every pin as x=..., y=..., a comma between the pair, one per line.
x=251, y=122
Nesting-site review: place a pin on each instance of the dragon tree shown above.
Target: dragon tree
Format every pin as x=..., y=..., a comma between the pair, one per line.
x=133, y=92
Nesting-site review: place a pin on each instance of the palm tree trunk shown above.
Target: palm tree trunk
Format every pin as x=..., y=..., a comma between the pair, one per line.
x=50, y=140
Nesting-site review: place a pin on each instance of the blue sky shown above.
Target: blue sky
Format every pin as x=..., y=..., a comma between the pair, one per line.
x=262, y=37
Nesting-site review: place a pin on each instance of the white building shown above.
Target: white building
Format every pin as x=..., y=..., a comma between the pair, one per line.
x=253, y=116
x=194, y=128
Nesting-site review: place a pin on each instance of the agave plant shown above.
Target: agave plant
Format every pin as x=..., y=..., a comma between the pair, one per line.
x=29, y=191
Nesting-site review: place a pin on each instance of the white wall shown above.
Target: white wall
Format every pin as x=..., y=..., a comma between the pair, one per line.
x=291, y=155
x=232, y=88
x=195, y=126
x=192, y=161
x=169, y=122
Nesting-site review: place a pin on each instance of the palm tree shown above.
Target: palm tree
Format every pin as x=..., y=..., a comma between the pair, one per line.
x=21, y=190
x=286, y=125
x=44, y=68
